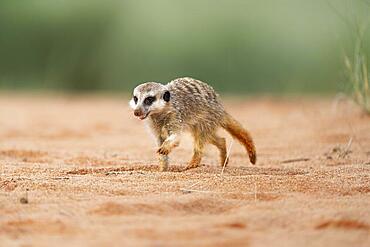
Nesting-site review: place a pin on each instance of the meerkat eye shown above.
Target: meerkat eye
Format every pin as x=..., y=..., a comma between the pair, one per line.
x=149, y=100
x=166, y=96
x=135, y=99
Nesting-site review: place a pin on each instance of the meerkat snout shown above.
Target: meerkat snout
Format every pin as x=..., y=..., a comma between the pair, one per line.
x=138, y=113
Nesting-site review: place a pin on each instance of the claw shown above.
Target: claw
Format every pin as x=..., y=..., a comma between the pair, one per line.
x=163, y=151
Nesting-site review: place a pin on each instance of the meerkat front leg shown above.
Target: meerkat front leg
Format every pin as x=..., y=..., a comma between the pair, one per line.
x=169, y=143
x=163, y=158
x=169, y=139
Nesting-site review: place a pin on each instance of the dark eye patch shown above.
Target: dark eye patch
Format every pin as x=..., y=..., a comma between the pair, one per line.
x=149, y=100
x=135, y=99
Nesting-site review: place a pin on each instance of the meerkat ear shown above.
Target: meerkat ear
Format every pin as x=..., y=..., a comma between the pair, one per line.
x=166, y=96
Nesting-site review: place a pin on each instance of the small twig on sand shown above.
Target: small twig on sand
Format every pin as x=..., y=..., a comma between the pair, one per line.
x=294, y=160
x=254, y=193
x=60, y=178
x=346, y=150
x=341, y=152
x=189, y=190
x=199, y=191
x=349, y=144
x=191, y=186
x=227, y=156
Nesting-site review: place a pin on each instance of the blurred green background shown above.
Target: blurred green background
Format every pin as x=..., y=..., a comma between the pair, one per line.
x=272, y=46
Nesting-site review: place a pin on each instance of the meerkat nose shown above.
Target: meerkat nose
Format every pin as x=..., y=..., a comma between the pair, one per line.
x=138, y=113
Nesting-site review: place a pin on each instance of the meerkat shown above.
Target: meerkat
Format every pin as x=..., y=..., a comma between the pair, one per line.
x=187, y=104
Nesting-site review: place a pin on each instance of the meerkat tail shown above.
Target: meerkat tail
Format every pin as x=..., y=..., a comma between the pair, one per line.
x=237, y=131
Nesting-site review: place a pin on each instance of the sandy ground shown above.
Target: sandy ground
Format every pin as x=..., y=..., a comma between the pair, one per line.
x=90, y=170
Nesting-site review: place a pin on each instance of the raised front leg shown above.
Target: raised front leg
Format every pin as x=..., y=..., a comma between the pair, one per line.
x=169, y=133
x=169, y=143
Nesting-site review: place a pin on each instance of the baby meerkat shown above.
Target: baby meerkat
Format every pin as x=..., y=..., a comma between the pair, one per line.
x=187, y=104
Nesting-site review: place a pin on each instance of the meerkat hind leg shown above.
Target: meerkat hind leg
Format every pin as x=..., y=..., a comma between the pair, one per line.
x=220, y=143
x=198, y=153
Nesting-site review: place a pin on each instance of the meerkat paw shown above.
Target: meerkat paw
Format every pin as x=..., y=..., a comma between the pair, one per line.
x=195, y=161
x=163, y=150
x=192, y=165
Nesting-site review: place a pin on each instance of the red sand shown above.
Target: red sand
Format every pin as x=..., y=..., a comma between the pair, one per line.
x=90, y=170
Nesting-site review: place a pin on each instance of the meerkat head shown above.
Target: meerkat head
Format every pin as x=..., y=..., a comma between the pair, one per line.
x=149, y=98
